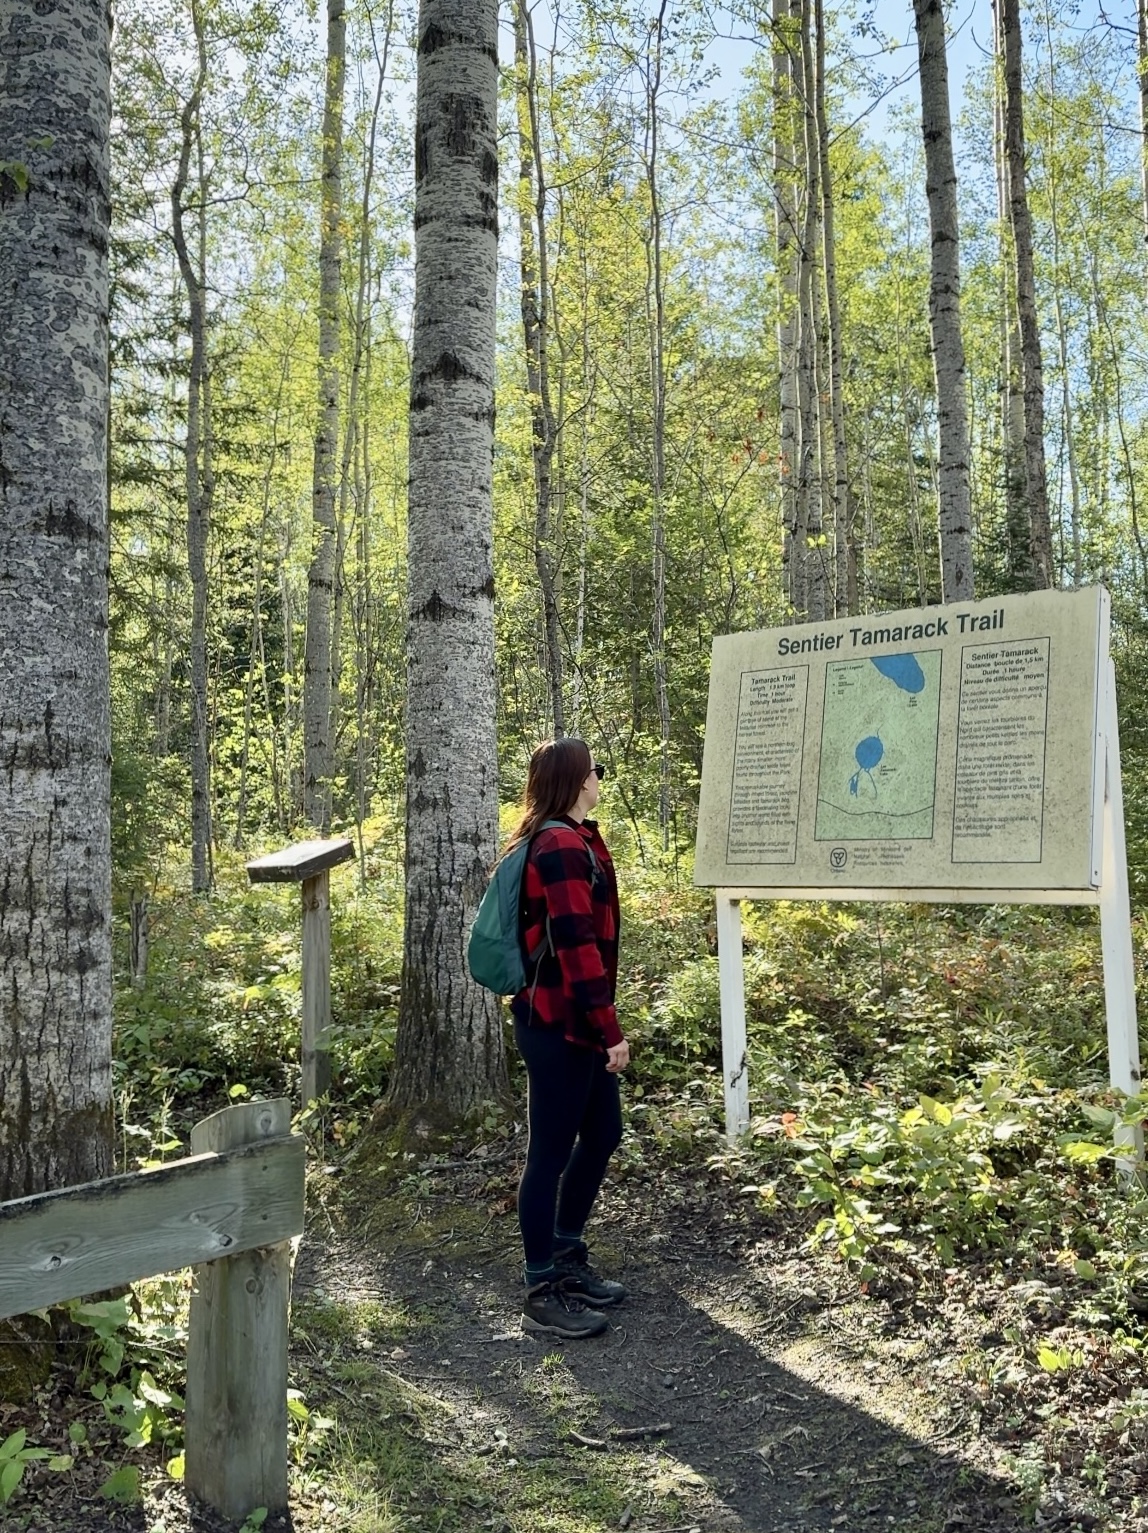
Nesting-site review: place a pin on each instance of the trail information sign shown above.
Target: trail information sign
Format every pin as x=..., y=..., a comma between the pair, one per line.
x=953, y=750
x=959, y=753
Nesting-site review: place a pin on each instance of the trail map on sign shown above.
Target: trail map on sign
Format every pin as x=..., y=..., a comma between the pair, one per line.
x=878, y=768
x=950, y=751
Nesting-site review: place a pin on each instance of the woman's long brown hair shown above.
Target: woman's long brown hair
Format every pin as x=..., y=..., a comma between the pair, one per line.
x=557, y=770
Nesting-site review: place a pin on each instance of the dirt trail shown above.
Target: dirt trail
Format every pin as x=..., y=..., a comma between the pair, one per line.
x=741, y=1388
x=728, y=1395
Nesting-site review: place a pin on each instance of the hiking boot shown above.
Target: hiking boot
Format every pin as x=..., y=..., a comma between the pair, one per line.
x=548, y=1309
x=580, y=1279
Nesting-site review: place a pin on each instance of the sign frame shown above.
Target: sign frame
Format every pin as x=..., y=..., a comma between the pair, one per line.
x=1110, y=893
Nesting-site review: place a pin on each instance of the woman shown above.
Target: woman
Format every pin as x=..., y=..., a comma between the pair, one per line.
x=567, y=1031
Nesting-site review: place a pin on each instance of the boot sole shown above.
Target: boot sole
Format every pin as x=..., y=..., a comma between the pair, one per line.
x=540, y=1328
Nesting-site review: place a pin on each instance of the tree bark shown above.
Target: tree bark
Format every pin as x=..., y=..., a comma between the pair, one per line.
x=535, y=306
x=321, y=573
x=954, y=511
x=55, y=738
x=449, y=1051
x=785, y=234
x=1036, y=486
x=845, y=593
x=199, y=474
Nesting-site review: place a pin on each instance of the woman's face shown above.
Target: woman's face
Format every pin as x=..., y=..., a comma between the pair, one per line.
x=590, y=790
x=587, y=794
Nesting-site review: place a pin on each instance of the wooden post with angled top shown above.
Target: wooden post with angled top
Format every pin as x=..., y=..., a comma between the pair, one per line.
x=309, y=863
x=236, y=1421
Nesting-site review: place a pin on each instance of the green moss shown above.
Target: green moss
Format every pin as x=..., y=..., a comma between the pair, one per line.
x=390, y=1204
x=27, y=1350
x=356, y=1324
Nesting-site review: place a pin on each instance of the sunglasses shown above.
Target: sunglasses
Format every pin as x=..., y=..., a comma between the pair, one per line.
x=598, y=771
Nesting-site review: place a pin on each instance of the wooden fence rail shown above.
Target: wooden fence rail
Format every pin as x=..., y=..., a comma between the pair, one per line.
x=230, y=1210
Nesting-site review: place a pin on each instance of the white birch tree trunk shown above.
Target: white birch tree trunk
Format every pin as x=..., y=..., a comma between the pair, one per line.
x=321, y=573
x=449, y=1051
x=955, y=511
x=55, y=807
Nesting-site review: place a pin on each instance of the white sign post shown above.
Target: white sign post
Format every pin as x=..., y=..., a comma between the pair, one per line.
x=950, y=754
x=1116, y=934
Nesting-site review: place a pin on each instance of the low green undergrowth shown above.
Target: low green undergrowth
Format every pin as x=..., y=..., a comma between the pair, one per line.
x=220, y=1006
x=926, y=1086
x=926, y=1083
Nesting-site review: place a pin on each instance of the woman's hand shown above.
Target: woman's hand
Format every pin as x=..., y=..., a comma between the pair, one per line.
x=617, y=1058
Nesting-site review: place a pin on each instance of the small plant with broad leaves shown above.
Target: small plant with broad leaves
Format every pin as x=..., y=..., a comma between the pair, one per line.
x=307, y=1426
x=143, y=1409
x=16, y=1455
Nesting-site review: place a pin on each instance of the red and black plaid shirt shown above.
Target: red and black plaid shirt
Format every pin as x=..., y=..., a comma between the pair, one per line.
x=576, y=982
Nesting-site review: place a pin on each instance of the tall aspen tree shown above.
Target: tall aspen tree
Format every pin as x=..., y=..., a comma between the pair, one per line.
x=954, y=511
x=55, y=736
x=356, y=464
x=656, y=332
x=786, y=263
x=198, y=445
x=1018, y=542
x=535, y=307
x=1058, y=278
x=322, y=572
x=1142, y=78
x=811, y=470
x=449, y=1050
x=845, y=593
x=1036, y=486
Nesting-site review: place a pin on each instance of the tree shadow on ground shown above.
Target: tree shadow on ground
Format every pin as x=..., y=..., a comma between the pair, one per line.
x=731, y=1393
x=717, y=1400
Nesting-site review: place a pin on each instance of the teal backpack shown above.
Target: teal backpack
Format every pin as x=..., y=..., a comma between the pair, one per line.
x=494, y=951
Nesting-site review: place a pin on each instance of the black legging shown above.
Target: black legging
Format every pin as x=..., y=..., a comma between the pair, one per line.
x=575, y=1119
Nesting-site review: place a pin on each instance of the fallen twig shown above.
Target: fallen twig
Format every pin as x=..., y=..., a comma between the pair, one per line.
x=678, y=1527
x=589, y=1442
x=631, y=1434
x=472, y=1162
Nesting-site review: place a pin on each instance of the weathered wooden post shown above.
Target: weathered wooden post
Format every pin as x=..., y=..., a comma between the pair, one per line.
x=309, y=863
x=236, y=1421
x=230, y=1210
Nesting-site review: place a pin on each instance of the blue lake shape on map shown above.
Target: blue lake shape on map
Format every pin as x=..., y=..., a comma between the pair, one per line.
x=904, y=670
x=881, y=740
x=868, y=755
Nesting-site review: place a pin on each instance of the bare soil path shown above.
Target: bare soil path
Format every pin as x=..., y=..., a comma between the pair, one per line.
x=730, y=1392
x=742, y=1388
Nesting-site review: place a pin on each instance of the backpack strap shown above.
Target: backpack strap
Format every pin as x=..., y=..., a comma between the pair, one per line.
x=562, y=825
